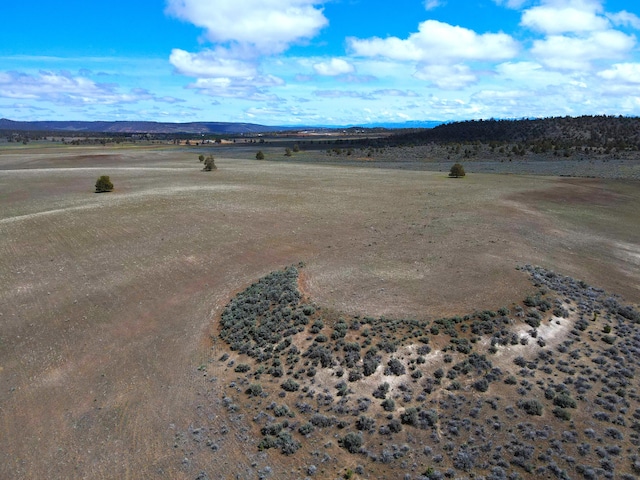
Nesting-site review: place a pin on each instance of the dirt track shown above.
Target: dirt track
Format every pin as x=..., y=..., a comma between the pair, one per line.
x=107, y=300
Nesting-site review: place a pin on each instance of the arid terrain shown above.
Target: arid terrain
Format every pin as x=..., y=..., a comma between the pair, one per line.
x=110, y=308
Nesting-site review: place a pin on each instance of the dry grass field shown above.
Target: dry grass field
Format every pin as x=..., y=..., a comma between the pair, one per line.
x=110, y=303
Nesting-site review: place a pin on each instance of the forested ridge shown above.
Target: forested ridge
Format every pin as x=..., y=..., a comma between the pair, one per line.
x=621, y=133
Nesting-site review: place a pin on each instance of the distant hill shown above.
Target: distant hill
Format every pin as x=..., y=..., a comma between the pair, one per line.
x=564, y=132
x=228, y=128
x=137, y=127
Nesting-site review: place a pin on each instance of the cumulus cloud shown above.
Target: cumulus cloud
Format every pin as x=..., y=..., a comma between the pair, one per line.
x=570, y=53
x=243, y=31
x=625, y=19
x=437, y=43
x=334, y=67
x=266, y=26
x=532, y=74
x=622, y=72
x=447, y=77
x=563, y=16
x=439, y=51
x=577, y=33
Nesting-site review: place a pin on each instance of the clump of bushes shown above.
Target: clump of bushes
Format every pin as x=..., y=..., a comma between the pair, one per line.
x=531, y=406
x=394, y=367
x=290, y=385
x=242, y=368
x=209, y=164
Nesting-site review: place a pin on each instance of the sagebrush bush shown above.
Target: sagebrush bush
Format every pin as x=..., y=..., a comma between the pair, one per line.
x=352, y=442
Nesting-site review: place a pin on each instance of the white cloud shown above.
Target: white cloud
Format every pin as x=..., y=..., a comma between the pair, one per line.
x=531, y=74
x=437, y=43
x=431, y=4
x=357, y=79
x=253, y=88
x=571, y=53
x=622, y=72
x=625, y=19
x=563, y=16
x=447, y=77
x=334, y=67
x=63, y=88
x=263, y=26
x=209, y=64
x=344, y=94
x=393, y=92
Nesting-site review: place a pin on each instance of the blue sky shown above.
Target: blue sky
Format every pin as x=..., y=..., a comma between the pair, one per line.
x=312, y=62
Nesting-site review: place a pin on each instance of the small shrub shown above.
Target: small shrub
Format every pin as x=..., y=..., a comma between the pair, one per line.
x=394, y=367
x=259, y=155
x=561, y=413
x=409, y=416
x=381, y=391
x=389, y=405
x=365, y=423
x=531, y=406
x=242, y=368
x=103, y=184
x=306, y=429
x=209, y=164
x=290, y=385
x=254, y=390
x=267, y=443
x=351, y=442
x=457, y=171
x=564, y=401
x=322, y=421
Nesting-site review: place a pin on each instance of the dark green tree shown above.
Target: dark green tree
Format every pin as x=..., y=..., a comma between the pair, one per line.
x=104, y=184
x=260, y=155
x=457, y=171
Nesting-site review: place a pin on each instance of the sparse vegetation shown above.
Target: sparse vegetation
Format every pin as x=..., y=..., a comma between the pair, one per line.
x=468, y=369
x=578, y=359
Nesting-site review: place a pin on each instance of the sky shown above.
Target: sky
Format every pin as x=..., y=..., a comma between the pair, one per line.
x=315, y=62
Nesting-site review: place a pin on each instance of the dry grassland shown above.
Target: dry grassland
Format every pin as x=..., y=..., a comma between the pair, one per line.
x=108, y=302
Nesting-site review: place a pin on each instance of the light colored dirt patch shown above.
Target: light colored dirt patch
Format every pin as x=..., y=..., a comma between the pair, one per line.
x=553, y=332
x=629, y=251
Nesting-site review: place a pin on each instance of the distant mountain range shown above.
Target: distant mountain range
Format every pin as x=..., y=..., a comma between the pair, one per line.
x=228, y=128
x=136, y=127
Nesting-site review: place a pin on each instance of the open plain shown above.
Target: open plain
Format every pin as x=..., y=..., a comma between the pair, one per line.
x=109, y=303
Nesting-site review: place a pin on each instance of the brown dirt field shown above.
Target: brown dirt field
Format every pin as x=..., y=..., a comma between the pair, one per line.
x=107, y=301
